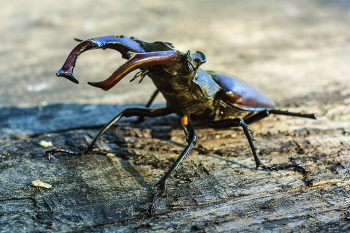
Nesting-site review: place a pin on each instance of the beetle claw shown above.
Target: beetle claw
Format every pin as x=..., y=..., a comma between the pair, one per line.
x=152, y=207
x=68, y=75
x=67, y=69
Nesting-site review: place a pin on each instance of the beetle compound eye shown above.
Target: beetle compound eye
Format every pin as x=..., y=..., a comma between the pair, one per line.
x=193, y=67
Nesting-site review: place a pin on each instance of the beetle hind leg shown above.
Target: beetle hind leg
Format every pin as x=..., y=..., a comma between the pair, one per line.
x=267, y=112
x=296, y=114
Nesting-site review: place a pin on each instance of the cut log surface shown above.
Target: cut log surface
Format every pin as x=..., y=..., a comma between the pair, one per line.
x=301, y=58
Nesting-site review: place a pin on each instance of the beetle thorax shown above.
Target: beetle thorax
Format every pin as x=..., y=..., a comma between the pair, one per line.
x=171, y=84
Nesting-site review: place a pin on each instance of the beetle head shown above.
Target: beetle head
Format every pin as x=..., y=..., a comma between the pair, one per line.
x=158, y=56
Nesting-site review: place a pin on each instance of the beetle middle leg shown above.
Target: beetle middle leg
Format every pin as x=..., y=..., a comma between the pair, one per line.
x=129, y=112
x=239, y=122
x=191, y=139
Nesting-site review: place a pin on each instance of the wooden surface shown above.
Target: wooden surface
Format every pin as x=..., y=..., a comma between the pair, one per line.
x=297, y=52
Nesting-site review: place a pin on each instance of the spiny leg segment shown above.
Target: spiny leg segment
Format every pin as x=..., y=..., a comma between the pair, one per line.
x=191, y=139
x=239, y=122
x=141, y=112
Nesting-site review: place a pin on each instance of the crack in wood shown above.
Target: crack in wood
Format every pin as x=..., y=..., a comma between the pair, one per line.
x=326, y=184
x=280, y=219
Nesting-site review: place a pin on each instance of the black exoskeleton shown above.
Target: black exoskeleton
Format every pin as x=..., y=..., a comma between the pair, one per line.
x=218, y=99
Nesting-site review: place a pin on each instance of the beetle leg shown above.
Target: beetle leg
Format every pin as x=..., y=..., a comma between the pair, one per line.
x=191, y=139
x=239, y=122
x=297, y=114
x=129, y=112
x=150, y=101
x=265, y=113
x=236, y=122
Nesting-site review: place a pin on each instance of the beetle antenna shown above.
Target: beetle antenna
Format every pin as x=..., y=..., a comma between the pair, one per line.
x=136, y=75
x=141, y=75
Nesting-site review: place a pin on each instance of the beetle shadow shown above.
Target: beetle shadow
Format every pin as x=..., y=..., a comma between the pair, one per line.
x=127, y=165
x=213, y=156
x=230, y=161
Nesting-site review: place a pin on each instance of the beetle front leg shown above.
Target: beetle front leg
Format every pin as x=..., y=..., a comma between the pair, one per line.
x=129, y=112
x=191, y=139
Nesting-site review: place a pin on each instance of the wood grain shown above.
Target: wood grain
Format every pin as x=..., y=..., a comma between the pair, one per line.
x=297, y=52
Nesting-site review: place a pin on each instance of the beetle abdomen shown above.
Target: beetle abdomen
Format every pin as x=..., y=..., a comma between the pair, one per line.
x=240, y=93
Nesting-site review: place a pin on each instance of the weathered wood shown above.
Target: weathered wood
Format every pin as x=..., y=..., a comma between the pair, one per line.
x=216, y=189
x=295, y=51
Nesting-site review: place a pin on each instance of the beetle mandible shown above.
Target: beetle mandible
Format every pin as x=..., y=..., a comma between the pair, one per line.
x=217, y=99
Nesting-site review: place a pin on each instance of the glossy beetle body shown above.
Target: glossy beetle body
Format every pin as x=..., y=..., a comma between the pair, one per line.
x=219, y=100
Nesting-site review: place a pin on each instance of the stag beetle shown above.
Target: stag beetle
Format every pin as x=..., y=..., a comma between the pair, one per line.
x=217, y=99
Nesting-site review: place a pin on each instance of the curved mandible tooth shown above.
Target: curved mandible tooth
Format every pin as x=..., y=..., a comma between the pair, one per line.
x=137, y=60
x=68, y=74
x=121, y=43
x=131, y=55
x=67, y=69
